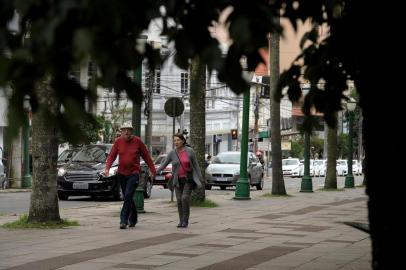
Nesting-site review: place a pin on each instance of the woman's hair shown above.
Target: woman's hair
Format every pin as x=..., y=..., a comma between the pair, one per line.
x=180, y=136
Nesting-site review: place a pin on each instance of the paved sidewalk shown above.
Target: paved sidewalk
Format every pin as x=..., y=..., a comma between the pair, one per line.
x=303, y=231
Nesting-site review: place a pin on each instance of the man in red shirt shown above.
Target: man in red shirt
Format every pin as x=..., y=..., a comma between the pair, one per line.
x=129, y=148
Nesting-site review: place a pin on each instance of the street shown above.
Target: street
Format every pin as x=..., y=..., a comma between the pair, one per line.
x=302, y=231
x=18, y=202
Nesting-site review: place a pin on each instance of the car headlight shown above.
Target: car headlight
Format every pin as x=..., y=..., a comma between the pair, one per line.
x=61, y=172
x=237, y=172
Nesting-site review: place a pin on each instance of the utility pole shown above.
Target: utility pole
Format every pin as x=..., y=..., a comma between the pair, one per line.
x=256, y=115
x=149, y=100
x=136, y=109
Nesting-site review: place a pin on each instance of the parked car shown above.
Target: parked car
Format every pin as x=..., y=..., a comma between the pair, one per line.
x=320, y=167
x=356, y=167
x=83, y=175
x=291, y=167
x=341, y=167
x=224, y=170
x=67, y=155
x=163, y=177
x=311, y=169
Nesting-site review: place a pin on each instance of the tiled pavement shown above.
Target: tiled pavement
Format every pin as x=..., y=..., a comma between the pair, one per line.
x=303, y=231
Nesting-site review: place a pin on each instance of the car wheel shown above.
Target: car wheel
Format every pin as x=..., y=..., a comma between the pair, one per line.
x=208, y=187
x=147, y=190
x=260, y=185
x=223, y=187
x=63, y=197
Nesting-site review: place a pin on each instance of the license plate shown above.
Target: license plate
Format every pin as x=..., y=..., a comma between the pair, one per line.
x=221, y=179
x=159, y=177
x=80, y=186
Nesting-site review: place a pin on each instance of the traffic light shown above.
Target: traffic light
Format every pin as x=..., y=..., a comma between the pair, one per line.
x=234, y=134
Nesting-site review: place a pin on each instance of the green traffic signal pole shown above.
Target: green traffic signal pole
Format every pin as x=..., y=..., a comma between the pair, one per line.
x=242, y=190
x=136, y=122
x=306, y=185
x=349, y=179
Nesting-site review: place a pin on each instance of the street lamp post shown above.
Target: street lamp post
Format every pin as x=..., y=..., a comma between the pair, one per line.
x=242, y=189
x=136, y=122
x=306, y=185
x=349, y=179
x=27, y=179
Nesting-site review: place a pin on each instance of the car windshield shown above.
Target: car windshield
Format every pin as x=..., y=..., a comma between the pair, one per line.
x=227, y=158
x=289, y=162
x=318, y=162
x=94, y=153
x=159, y=160
x=67, y=155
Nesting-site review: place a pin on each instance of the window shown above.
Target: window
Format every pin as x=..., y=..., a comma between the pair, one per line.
x=184, y=83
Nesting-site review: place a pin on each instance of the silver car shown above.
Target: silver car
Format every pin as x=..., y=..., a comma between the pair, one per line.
x=224, y=170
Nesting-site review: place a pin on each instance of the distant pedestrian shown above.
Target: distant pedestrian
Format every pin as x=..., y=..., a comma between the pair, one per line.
x=129, y=148
x=208, y=160
x=185, y=176
x=260, y=156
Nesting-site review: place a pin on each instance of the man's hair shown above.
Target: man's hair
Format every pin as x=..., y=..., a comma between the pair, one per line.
x=180, y=136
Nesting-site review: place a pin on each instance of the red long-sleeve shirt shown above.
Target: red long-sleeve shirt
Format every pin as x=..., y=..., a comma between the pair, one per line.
x=129, y=153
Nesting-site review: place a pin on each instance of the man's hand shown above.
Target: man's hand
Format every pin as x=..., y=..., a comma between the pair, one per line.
x=106, y=173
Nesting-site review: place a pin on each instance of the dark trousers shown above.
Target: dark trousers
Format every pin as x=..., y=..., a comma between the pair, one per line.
x=183, y=192
x=129, y=210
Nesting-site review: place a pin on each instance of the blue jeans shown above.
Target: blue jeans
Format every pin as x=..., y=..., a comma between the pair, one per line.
x=128, y=211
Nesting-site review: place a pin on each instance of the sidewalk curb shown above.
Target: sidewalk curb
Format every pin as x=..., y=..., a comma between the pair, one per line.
x=15, y=190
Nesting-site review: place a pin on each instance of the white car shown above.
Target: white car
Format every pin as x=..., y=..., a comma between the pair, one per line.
x=341, y=167
x=356, y=167
x=320, y=167
x=311, y=167
x=291, y=167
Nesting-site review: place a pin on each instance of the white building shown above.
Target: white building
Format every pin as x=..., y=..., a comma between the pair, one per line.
x=223, y=107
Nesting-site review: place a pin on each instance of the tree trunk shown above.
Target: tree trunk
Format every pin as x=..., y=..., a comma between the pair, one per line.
x=44, y=201
x=384, y=151
x=278, y=183
x=331, y=174
x=198, y=120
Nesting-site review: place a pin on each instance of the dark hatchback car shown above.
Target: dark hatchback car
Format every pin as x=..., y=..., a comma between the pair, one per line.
x=82, y=176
